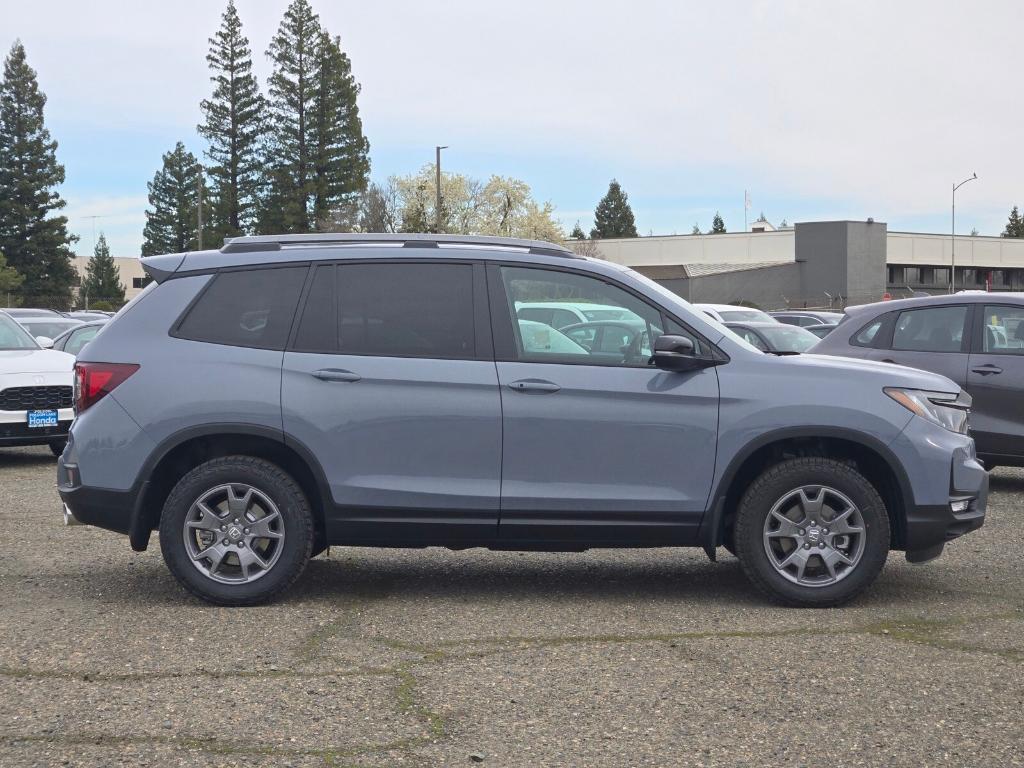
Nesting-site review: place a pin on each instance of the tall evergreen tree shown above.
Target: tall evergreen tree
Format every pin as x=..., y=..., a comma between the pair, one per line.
x=233, y=126
x=10, y=280
x=340, y=152
x=102, y=280
x=578, y=233
x=717, y=225
x=317, y=153
x=695, y=230
x=613, y=217
x=1015, y=226
x=173, y=216
x=35, y=242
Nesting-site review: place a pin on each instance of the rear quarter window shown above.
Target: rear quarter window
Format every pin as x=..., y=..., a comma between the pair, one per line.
x=246, y=308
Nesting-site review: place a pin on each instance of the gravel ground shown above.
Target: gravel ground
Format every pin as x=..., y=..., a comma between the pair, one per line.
x=423, y=658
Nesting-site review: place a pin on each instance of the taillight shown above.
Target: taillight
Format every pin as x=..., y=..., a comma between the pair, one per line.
x=95, y=380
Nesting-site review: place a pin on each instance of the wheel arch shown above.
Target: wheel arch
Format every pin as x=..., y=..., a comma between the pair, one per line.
x=183, y=451
x=871, y=457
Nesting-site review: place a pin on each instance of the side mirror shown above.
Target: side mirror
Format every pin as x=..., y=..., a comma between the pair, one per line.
x=676, y=353
x=45, y=342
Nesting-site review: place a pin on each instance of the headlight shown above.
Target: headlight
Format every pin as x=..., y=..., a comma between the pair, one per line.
x=947, y=410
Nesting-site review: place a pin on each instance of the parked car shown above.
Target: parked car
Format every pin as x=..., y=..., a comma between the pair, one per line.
x=975, y=339
x=559, y=314
x=391, y=397
x=20, y=312
x=725, y=313
x=73, y=339
x=822, y=330
x=35, y=390
x=807, y=317
x=85, y=315
x=609, y=338
x=775, y=338
x=45, y=329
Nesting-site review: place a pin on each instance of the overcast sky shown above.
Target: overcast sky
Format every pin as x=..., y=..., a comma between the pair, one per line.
x=821, y=109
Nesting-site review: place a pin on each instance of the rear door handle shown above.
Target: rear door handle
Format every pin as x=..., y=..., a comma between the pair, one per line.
x=986, y=369
x=888, y=360
x=534, y=385
x=336, y=374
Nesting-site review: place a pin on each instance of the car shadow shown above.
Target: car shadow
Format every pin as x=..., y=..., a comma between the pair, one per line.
x=26, y=457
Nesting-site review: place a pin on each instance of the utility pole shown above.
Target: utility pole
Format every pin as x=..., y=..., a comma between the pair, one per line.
x=437, y=203
x=952, y=245
x=199, y=231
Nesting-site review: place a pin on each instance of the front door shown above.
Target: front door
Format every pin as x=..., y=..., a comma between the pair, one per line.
x=596, y=450
x=390, y=383
x=995, y=379
x=930, y=338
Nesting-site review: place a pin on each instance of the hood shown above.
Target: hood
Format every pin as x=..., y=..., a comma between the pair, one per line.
x=890, y=374
x=35, y=361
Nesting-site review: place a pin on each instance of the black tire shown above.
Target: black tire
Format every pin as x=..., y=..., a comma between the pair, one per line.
x=57, y=446
x=788, y=476
x=285, y=494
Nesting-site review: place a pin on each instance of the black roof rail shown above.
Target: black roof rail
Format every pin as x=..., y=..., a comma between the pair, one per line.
x=251, y=244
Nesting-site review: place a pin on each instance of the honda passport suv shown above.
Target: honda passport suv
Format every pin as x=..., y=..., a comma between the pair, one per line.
x=258, y=403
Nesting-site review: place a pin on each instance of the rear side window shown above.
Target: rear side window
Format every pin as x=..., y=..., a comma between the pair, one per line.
x=936, y=329
x=390, y=310
x=867, y=334
x=248, y=308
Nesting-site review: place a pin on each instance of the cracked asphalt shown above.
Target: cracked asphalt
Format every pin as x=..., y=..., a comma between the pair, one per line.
x=423, y=658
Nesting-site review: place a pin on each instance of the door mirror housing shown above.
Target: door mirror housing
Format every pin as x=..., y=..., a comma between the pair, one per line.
x=45, y=342
x=676, y=353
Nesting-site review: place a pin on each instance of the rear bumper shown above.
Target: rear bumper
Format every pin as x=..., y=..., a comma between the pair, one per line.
x=113, y=510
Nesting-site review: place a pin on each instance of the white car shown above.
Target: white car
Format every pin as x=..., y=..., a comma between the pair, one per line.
x=734, y=313
x=36, y=390
x=559, y=314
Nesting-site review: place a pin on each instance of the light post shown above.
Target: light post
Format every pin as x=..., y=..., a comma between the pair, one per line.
x=437, y=205
x=952, y=245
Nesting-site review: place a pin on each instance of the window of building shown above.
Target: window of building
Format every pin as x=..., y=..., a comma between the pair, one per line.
x=936, y=329
x=912, y=275
x=895, y=275
x=941, y=276
x=249, y=308
x=141, y=282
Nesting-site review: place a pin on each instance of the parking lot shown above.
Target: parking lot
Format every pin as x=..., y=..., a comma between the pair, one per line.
x=432, y=657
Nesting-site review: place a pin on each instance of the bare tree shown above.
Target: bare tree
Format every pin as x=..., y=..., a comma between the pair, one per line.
x=378, y=208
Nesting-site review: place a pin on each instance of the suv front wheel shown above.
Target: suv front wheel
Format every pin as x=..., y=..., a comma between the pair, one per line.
x=811, y=532
x=236, y=531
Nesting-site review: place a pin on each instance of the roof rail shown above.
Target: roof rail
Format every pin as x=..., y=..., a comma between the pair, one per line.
x=251, y=244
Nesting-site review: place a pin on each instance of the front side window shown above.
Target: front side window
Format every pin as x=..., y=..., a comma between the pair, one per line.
x=390, y=310
x=1003, y=329
x=936, y=329
x=246, y=308
x=628, y=344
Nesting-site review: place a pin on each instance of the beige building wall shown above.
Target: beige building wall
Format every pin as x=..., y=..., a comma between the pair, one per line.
x=130, y=270
x=915, y=248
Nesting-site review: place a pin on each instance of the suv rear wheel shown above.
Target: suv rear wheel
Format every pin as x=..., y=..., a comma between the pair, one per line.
x=236, y=531
x=811, y=532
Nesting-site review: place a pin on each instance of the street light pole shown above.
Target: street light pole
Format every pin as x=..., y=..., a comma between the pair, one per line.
x=437, y=204
x=952, y=245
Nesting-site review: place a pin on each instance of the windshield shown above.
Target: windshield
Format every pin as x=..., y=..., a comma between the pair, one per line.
x=13, y=336
x=788, y=338
x=49, y=328
x=745, y=316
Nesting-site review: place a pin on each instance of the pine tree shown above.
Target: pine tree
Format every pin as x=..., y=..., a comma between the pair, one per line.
x=1015, y=226
x=340, y=152
x=695, y=230
x=233, y=126
x=172, y=220
x=102, y=280
x=613, y=217
x=717, y=225
x=35, y=243
x=577, y=233
x=10, y=280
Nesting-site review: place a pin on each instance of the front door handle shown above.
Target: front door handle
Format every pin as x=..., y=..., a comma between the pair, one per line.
x=534, y=385
x=336, y=374
x=986, y=369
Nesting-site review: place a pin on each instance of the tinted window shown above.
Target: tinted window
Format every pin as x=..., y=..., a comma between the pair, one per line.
x=543, y=343
x=1003, y=329
x=406, y=310
x=251, y=308
x=318, y=328
x=80, y=338
x=936, y=329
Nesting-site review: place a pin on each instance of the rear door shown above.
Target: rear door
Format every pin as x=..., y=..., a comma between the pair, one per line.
x=995, y=379
x=595, y=448
x=389, y=381
x=932, y=338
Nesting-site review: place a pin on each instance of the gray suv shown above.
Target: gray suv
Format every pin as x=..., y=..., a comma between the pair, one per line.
x=259, y=403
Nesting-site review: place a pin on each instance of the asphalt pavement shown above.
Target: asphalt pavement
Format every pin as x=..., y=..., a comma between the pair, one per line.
x=429, y=657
